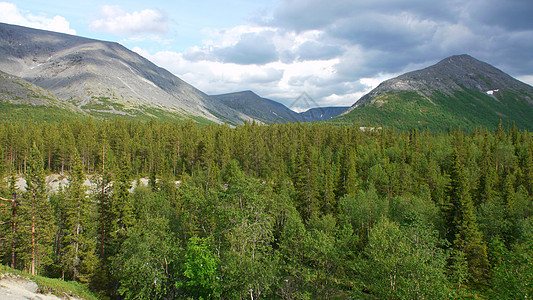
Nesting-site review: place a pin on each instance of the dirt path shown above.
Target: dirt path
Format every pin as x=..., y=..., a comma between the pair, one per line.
x=19, y=288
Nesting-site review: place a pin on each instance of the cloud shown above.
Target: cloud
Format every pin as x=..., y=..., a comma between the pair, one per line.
x=240, y=45
x=252, y=48
x=388, y=35
x=117, y=21
x=527, y=79
x=315, y=50
x=511, y=15
x=10, y=13
x=338, y=50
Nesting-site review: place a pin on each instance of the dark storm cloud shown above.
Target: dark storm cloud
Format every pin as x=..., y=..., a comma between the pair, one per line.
x=314, y=50
x=319, y=14
x=252, y=48
x=510, y=14
x=392, y=34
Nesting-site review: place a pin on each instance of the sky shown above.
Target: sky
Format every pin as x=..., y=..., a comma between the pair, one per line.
x=335, y=51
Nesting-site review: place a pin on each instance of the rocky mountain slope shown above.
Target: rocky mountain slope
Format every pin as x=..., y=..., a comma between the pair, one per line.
x=321, y=113
x=24, y=101
x=261, y=109
x=270, y=111
x=16, y=90
x=102, y=78
x=458, y=91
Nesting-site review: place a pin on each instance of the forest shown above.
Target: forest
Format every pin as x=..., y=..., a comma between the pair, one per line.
x=283, y=211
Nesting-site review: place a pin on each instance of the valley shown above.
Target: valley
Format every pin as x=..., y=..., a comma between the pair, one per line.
x=122, y=181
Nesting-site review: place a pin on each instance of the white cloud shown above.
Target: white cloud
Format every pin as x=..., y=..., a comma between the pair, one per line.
x=343, y=100
x=373, y=82
x=117, y=21
x=279, y=79
x=10, y=13
x=526, y=78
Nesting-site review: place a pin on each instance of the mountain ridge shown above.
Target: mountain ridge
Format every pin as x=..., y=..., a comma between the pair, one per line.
x=444, y=75
x=271, y=111
x=457, y=91
x=88, y=72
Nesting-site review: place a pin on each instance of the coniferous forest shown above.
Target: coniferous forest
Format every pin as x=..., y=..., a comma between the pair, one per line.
x=284, y=211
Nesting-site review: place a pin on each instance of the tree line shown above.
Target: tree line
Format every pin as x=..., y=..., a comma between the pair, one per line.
x=291, y=211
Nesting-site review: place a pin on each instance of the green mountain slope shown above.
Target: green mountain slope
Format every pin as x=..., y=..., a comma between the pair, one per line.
x=458, y=91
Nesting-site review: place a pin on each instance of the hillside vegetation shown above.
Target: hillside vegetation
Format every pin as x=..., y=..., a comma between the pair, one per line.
x=458, y=91
x=467, y=109
x=280, y=211
x=45, y=285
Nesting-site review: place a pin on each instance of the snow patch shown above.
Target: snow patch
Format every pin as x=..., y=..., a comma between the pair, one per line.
x=491, y=92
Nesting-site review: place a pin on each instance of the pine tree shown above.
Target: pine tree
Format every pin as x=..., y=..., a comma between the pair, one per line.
x=9, y=221
x=464, y=232
x=122, y=202
x=306, y=182
x=79, y=258
x=106, y=247
x=38, y=215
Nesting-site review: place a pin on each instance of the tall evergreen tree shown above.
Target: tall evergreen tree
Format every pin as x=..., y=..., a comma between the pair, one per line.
x=464, y=232
x=306, y=182
x=38, y=215
x=122, y=201
x=79, y=258
x=106, y=227
x=9, y=223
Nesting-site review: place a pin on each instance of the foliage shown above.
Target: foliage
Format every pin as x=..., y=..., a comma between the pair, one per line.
x=290, y=211
x=145, y=264
x=54, y=286
x=201, y=266
x=466, y=108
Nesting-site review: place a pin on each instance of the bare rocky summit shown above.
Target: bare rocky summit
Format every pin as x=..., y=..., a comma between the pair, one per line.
x=454, y=73
x=459, y=91
x=104, y=76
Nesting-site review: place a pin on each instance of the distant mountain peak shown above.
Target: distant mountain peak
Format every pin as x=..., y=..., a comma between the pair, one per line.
x=459, y=90
x=270, y=111
x=448, y=75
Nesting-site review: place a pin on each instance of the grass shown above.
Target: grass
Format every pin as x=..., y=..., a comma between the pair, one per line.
x=147, y=114
x=37, y=113
x=467, y=109
x=57, y=287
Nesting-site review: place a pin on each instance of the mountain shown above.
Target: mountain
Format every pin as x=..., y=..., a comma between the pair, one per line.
x=103, y=78
x=321, y=113
x=22, y=100
x=270, y=111
x=457, y=91
x=261, y=109
x=16, y=90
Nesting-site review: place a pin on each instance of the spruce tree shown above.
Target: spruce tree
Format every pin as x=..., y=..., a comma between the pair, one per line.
x=38, y=215
x=79, y=258
x=122, y=202
x=464, y=232
x=106, y=245
x=306, y=182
